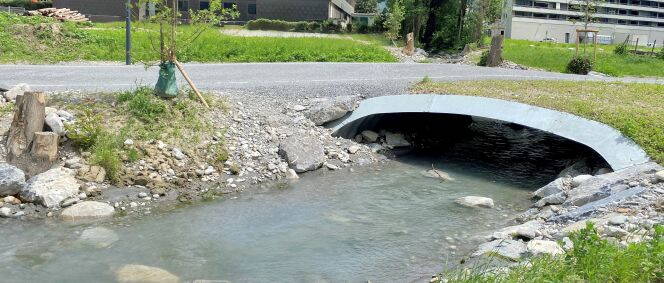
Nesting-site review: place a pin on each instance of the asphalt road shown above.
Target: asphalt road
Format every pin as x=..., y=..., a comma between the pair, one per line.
x=310, y=79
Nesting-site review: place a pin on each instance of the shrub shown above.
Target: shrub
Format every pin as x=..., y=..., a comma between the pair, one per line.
x=27, y=4
x=313, y=26
x=301, y=26
x=86, y=131
x=143, y=104
x=106, y=153
x=330, y=26
x=267, y=24
x=580, y=65
x=620, y=49
x=660, y=55
x=484, y=58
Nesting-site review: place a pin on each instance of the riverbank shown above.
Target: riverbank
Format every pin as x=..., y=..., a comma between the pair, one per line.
x=132, y=151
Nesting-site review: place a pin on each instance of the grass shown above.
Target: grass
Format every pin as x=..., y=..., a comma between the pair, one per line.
x=635, y=109
x=592, y=259
x=555, y=56
x=104, y=122
x=105, y=42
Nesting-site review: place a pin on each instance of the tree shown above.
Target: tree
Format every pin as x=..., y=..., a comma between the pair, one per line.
x=587, y=10
x=172, y=38
x=392, y=24
x=366, y=6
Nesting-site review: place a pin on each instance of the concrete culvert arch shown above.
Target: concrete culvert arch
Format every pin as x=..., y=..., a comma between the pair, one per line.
x=617, y=150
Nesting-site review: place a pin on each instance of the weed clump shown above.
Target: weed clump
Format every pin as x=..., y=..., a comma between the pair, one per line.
x=580, y=65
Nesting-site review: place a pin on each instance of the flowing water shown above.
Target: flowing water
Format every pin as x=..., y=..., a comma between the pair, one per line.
x=387, y=224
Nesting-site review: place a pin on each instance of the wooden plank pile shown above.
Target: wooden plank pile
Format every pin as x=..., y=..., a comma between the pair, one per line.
x=63, y=14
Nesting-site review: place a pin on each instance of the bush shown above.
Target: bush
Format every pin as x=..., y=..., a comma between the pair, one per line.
x=313, y=26
x=106, y=153
x=86, y=131
x=484, y=58
x=267, y=24
x=330, y=26
x=580, y=65
x=301, y=26
x=27, y=4
x=620, y=49
x=660, y=55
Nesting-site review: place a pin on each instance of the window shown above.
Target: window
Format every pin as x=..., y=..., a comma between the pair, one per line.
x=183, y=5
x=204, y=5
x=228, y=5
x=251, y=9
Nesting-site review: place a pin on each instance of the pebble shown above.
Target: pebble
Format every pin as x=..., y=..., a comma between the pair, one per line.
x=133, y=204
x=129, y=142
x=659, y=176
x=142, y=195
x=618, y=220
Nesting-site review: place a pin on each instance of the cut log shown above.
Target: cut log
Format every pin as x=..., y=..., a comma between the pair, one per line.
x=496, y=52
x=45, y=147
x=28, y=119
x=410, y=45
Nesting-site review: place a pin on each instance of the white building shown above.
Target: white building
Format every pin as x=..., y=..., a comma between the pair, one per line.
x=616, y=19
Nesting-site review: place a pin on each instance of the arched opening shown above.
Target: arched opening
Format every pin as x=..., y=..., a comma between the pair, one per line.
x=514, y=153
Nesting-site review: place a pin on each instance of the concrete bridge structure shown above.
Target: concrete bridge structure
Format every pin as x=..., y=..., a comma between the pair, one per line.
x=617, y=150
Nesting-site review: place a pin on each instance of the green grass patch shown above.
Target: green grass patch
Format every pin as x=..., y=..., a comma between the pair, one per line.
x=106, y=42
x=592, y=259
x=555, y=56
x=635, y=109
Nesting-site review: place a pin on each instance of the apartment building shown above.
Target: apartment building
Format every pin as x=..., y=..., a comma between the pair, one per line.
x=559, y=19
x=290, y=10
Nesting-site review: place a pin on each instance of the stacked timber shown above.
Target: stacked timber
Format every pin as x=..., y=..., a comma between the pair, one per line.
x=63, y=14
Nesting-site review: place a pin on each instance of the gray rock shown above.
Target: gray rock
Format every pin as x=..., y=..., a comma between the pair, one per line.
x=291, y=174
x=528, y=230
x=580, y=167
x=509, y=249
x=64, y=115
x=578, y=180
x=12, y=180
x=556, y=186
x=396, y=140
x=303, y=153
x=659, y=176
x=618, y=220
x=15, y=91
x=53, y=121
x=475, y=201
x=602, y=171
x=177, y=153
x=615, y=232
x=437, y=174
x=87, y=210
x=5, y=212
x=98, y=237
x=538, y=247
x=73, y=163
x=51, y=187
x=353, y=149
x=329, y=109
x=133, y=273
x=552, y=199
x=69, y=202
x=370, y=136
x=599, y=187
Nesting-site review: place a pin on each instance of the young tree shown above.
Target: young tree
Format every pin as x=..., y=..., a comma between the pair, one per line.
x=588, y=10
x=393, y=22
x=366, y=6
x=172, y=38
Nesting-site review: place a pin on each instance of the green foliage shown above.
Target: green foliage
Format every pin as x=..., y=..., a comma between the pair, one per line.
x=484, y=58
x=393, y=22
x=87, y=130
x=592, y=259
x=580, y=65
x=366, y=6
x=267, y=24
x=27, y=4
x=660, y=55
x=106, y=153
x=330, y=26
x=621, y=49
x=106, y=43
x=143, y=104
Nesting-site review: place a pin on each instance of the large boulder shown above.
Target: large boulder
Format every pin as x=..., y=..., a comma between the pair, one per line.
x=303, y=153
x=600, y=186
x=134, y=273
x=528, y=230
x=508, y=249
x=12, y=180
x=325, y=110
x=475, y=201
x=395, y=140
x=556, y=186
x=87, y=210
x=51, y=187
x=15, y=91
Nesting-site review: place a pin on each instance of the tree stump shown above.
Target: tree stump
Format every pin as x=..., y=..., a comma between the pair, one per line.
x=410, y=44
x=45, y=147
x=496, y=52
x=28, y=119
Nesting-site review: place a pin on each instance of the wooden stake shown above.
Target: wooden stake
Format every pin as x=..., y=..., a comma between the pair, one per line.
x=191, y=83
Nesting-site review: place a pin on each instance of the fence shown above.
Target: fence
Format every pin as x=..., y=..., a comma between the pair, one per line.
x=15, y=10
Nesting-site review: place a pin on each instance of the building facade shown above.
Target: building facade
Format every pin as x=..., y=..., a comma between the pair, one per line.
x=558, y=20
x=289, y=10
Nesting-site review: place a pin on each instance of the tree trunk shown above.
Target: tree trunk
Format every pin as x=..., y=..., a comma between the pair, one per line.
x=410, y=45
x=45, y=147
x=496, y=51
x=28, y=119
